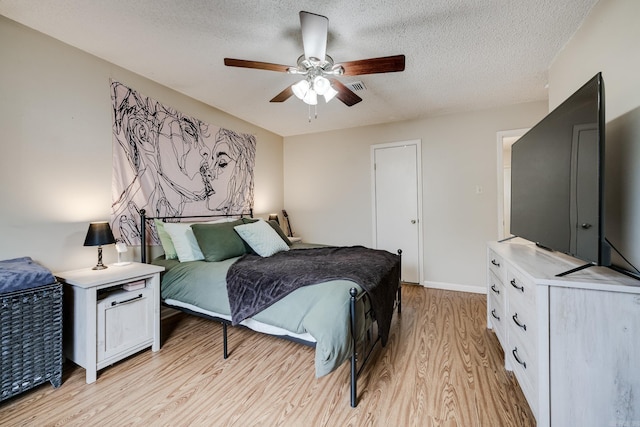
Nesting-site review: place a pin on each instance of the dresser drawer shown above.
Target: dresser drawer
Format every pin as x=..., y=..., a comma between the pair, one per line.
x=520, y=288
x=523, y=336
x=526, y=378
x=521, y=323
x=496, y=287
x=516, y=323
x=496, y=264
x=496, y=316
x=522, y=328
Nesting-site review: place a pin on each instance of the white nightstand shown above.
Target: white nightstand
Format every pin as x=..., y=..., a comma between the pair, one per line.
x=103, y=322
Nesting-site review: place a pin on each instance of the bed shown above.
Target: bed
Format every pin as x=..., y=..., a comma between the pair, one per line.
x=240, y=271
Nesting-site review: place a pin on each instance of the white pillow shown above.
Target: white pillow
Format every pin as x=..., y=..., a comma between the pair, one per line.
x=262, y=238
x=185, y=241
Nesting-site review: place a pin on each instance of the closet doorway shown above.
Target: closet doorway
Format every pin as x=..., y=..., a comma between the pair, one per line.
x=397, y=203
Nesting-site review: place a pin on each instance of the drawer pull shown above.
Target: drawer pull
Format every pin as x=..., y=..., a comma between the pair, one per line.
x=496, y=263
x=113, y=303
x=515, y=355
x=493, y=313
x=515, y=285
x=515, y=319
x=494, y=289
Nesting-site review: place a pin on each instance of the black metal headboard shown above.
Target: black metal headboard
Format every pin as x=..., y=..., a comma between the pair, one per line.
x=144, y=218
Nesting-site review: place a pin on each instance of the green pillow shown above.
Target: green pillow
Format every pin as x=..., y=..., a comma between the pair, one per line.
x=219, y=241
x=165, y=240
x=273, y=225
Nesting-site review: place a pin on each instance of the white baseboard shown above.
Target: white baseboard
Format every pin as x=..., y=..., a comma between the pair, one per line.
x=480, y=289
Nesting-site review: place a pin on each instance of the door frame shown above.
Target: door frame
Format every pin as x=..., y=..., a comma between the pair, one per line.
x=500, y=137
x=418, y=144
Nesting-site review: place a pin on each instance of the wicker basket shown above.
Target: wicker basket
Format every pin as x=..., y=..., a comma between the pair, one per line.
x=30, y=339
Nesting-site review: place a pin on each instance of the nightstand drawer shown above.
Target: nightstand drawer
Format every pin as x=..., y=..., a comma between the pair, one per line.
x=125, y=322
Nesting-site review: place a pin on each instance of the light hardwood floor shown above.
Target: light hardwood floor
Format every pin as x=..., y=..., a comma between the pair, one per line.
x=441, y=367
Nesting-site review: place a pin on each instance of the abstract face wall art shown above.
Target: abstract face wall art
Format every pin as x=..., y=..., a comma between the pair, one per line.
x=171, y=164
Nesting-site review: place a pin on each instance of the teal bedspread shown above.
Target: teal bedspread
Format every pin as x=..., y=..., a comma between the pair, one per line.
x=322, y=310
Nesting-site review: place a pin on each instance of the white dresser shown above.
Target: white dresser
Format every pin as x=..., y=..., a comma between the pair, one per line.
x=573, y=343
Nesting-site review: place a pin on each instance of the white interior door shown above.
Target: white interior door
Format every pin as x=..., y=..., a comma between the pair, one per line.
x=397, y=203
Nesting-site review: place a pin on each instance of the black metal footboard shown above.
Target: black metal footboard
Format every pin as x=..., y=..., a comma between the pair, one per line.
x=355, y=371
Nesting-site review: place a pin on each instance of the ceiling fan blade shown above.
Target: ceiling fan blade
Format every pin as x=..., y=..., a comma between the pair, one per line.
x=345, y=94
x=230, y=62
x=386, y=64
x=314, y=35
x=283, y=96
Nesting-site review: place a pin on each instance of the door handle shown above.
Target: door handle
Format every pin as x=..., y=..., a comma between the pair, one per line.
x=413, y=221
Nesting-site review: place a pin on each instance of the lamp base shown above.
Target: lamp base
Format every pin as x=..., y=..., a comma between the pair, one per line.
x=99, y=265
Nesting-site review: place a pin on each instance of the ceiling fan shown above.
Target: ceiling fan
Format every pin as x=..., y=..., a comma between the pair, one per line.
x=318, y=69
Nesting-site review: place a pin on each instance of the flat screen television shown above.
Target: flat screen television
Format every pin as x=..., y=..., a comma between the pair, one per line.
x=557, y=178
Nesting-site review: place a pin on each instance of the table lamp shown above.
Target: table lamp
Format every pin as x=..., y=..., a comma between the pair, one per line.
x=99, y=234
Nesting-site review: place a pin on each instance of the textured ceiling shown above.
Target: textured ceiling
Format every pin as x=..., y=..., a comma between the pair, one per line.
x=460, y=54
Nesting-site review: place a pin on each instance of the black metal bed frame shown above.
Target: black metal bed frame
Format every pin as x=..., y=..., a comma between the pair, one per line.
x=355, y=371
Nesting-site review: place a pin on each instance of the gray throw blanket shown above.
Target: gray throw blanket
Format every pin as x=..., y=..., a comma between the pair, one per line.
x=23, y=273
x=254, y=283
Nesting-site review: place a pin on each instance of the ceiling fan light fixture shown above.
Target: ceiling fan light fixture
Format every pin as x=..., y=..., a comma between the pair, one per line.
x=320, y=85
x=329, y=94
x=311, y=97
x=301, y=89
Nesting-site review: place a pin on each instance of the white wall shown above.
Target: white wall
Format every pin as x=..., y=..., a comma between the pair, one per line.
x=55, y=166
x=328, y=186
x=608, y=41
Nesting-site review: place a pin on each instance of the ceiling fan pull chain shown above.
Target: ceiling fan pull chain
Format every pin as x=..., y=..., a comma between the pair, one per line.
x=309, y=105
x=315, y=108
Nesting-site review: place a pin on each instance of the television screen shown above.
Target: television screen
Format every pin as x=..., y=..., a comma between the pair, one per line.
x=557, y=178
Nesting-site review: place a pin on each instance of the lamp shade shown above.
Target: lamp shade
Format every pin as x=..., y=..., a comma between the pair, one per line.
x=320, y=85
x=99, y=234
x=310, y=97
x=329, y=94
x=300, y=89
